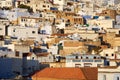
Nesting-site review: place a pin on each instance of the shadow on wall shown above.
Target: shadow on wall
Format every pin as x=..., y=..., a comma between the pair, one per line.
x=42, y=66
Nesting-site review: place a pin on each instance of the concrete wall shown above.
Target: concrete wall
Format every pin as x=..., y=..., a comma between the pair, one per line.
x=108, y=73
x=23, y=32
x=108, y=23
x=2, y=29
x=22, y=48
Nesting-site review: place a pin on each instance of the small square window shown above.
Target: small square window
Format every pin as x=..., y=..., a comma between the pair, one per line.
x=22, y=20
x=33, y=58
x=76, y=57
x=94, y=57
x=17, y=54
x=106, y=54
x=14, y=30
x=86, y=57
x=33, y=32
x=112, y=54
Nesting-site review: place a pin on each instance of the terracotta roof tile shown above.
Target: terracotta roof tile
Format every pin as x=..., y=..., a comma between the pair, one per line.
x=68, y=73
x=61, y=73
x=90, y=73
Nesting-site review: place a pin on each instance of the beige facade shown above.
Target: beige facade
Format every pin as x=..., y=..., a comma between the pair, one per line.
x=103, y=23
x=72, y=46
x=108, y=12
x=69, y=16
x=113, y=30
x=30, y=21
x=55, y=64
x=112, y=38
x=22, y=48
x=69, y=30
x=39, y=5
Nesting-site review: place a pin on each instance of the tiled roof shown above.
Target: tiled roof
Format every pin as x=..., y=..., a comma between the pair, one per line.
x=90, y=73
x=68, y=73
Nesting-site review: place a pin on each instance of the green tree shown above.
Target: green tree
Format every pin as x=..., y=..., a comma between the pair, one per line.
x=26, y=7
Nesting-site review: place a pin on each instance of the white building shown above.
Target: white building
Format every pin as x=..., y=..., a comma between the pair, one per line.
x=46, y=29
x=109, y=73
x=39, y=5
x=30, y=21
x=23, y=32
x=102, y=22
x=112, y=56
x=113, y=2
x=110, y=53
x=19, y=2
x=6, y=3
x=49, y=16
x=53, y=49
x=60, y=4
x=45, y=57
x=13, y=14
x=61, y=25
x=77, y=60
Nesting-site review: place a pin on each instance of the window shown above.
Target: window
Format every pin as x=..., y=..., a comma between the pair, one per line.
x=118, y=78
x=76, y=57
x=77, y=65
x=33, y=32
x=14, y=30
x=87, y=60
x=22, y=20
x=104, y=77
x=81, y=57
x=76, y=60
x=105, y=12
x=87, y=64
x=40, y=15
x=94, y=57
x=98, y=60
x=86, y=57
x=32, y=58
x=44, y=5
x=98, y=65
x=106, y=54
x=112, y=54
x=17, y=54
x=40, y=20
